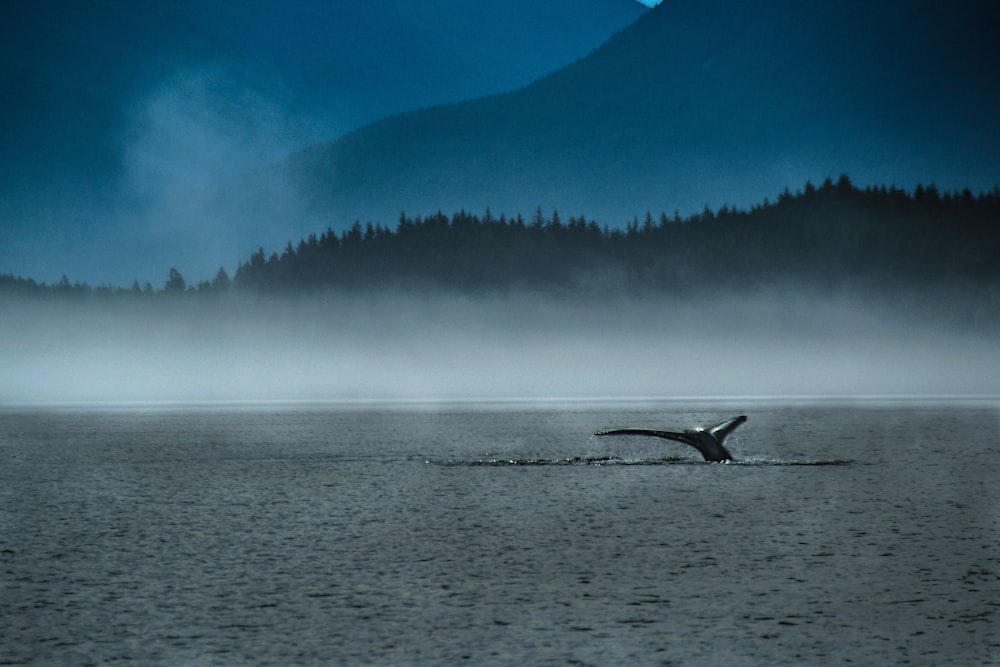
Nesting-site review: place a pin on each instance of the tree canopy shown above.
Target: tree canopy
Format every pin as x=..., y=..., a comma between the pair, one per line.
x=834, y=235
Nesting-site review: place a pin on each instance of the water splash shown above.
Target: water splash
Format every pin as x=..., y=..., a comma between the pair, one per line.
x=616, y=461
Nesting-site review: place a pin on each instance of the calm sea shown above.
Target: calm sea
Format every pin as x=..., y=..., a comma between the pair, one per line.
x=866, y=533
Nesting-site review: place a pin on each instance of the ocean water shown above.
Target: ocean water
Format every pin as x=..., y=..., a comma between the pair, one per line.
x=861, y=533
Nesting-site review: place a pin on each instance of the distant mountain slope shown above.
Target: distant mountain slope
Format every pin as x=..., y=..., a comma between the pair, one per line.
x=699, y=102
x=69, y=71
x=90, y=89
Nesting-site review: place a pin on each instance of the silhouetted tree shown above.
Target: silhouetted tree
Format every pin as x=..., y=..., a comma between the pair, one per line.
x=175, y=282
x=221, y=280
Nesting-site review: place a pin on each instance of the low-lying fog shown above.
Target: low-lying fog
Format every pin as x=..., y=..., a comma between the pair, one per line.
x=449, y=347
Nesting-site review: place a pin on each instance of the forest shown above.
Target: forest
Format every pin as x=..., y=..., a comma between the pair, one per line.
x=831, y=236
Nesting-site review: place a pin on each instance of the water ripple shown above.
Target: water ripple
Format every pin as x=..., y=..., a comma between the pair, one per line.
x=616, y=461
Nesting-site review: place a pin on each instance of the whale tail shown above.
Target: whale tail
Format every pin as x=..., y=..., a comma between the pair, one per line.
x=720, y=431
x=708, y=441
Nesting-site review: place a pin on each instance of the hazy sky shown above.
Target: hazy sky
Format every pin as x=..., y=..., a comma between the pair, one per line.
x=110, y=110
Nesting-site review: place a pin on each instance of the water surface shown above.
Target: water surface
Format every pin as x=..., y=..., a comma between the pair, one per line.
x=499, y=534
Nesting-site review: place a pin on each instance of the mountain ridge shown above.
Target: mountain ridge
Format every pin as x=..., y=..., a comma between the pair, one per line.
x=622, y=131
x=119, y=116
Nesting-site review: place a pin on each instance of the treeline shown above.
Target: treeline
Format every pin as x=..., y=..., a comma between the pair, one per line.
x=173, y=286
x=831, y=235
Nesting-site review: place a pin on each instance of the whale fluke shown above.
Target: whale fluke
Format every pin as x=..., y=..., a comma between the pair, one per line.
x=708, y=441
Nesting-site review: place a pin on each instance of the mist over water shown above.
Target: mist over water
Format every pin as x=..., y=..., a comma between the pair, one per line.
x=449, y=347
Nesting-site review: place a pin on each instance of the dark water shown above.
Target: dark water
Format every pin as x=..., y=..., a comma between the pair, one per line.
x=864, y=533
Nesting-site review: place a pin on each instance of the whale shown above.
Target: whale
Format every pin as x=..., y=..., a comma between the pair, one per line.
x=707, y=440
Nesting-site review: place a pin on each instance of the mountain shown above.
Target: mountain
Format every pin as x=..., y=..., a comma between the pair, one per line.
x=112, y=109
x=698, y=102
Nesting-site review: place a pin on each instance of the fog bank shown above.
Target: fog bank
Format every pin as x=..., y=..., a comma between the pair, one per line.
x=457, y=348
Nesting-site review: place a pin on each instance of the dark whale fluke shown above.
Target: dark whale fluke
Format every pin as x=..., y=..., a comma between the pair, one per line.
x=708, y=441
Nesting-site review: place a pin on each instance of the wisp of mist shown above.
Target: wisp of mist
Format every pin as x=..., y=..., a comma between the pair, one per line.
x=191, y=142
x=443, y=347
